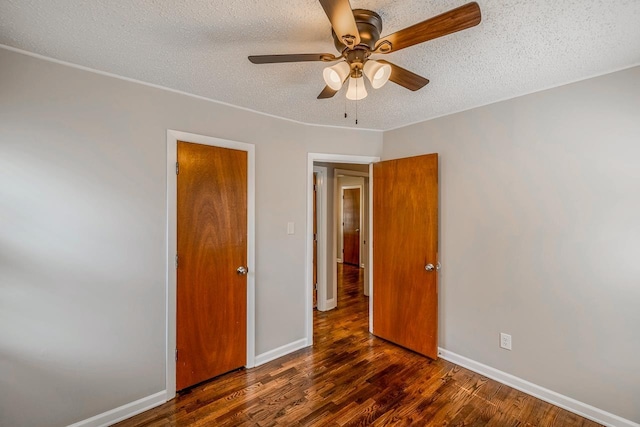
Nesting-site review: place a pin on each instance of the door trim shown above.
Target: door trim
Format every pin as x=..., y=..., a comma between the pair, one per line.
x=173, y=136
x=323, y=303
x=331, y=158
x=351, y=173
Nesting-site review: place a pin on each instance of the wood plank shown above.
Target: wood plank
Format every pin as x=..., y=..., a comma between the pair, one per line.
x=352, y=378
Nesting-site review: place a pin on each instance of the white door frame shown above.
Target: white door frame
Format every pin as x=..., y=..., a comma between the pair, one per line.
x=173, y=137
x=333, y=158
x=341, y=219
x=321, y=212
x=351, y=173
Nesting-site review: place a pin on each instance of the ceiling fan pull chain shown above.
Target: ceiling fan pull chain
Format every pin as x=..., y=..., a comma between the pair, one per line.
x=356, y=104
x=345, y=107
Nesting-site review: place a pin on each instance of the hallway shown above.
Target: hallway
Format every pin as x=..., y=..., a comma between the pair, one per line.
x=349, y=377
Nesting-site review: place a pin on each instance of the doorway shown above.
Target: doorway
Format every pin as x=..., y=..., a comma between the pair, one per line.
x=353, y=231
x=346, y=229
x=172, y=245
x=352, y=220
x=328, y=236
x=406, y=230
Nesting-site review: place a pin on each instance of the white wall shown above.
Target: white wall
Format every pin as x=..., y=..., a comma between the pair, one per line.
x=82, y=240
x=540, y=235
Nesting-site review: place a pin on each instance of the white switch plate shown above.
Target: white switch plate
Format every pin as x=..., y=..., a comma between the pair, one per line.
x=505, y=341
x=290, y=228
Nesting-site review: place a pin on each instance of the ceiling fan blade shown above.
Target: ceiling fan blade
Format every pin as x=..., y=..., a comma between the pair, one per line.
x=327, y=92
x=449, y=22
x=295, y=57
x=405, y=78
x=340, y=14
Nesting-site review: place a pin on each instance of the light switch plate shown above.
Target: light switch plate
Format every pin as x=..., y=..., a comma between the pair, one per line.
x=290, y=228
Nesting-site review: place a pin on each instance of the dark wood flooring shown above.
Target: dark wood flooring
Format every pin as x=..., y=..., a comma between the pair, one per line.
x=351, y=378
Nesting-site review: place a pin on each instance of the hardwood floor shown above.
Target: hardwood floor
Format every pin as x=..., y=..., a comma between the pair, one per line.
x=351, y=378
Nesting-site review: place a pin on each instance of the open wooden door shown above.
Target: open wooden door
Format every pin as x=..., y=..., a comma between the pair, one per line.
x=405, y=252
x=351, y=226
x=212, y=258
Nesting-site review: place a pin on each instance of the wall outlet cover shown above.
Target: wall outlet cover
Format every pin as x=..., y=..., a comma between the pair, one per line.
x=505, y=341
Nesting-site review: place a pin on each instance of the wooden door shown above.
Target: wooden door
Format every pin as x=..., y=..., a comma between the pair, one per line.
x=212, y=244
x=315, y=241
x=405, y=240
x=351, y=226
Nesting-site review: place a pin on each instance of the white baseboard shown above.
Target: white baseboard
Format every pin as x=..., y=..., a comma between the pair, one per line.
x=270, y=355
x=330, y=304
x=565, y=402
x=123, y=412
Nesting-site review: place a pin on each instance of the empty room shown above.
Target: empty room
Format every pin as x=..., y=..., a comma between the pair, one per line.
x=319, y=213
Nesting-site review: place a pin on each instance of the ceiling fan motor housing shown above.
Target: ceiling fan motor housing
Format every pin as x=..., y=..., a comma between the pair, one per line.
x=369, y=26
x=356, y=36
x=356, y=59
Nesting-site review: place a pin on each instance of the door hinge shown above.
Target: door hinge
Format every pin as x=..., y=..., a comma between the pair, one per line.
x=177, y=168
x=176, y=354
x=315, y=237
x=315, y=187
x=315, y=287
x=176, y=260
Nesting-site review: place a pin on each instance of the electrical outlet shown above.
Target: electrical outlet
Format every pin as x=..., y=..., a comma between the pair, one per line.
x=505, y=341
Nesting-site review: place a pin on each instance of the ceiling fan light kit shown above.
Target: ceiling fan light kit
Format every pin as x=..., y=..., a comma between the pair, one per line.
x=377, y=73
x=356, y=35
x=335, y=75
x=356, y=90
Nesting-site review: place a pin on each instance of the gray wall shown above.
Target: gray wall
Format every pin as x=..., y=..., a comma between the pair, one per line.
x=540, y=235
x=82, y=240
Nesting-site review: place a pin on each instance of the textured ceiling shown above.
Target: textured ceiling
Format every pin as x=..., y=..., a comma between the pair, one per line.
x=201, y=47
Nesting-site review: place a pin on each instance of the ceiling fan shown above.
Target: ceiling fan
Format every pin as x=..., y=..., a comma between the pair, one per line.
x=356, y=35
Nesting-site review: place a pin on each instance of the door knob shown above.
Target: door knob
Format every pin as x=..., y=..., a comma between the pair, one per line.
x=431, y=267
x=242, y=270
